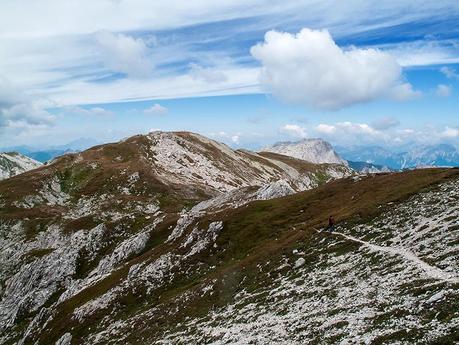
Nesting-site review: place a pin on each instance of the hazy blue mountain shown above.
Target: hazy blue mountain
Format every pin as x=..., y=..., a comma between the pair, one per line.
x=43, y=154
x=421, y=156
x=364, y=167
x=78, y=144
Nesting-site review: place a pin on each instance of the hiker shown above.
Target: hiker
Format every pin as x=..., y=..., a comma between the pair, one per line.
x=331, y=224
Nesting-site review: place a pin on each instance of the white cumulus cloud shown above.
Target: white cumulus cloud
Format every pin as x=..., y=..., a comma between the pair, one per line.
x=325, y=129
x=231, y=139
x=404, y=92
x=309, y=68
x=443, y=90
x=294, y=130
x=385, y=123
x=206, y=74
x=156, y=109
x=25, y=115
x=356, y=128
x=94, y=111
x=20, y=112
x=349, y=131
x=450, y=132
x=235, y=138
x=124, y=54
x=449, y=72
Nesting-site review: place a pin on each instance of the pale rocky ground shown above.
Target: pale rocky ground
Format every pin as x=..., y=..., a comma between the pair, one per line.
x=404, y=267
x=13, y=163
x=201, y=160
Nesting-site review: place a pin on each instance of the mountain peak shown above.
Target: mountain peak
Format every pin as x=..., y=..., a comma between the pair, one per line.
x=314, y=150
x=203, y=161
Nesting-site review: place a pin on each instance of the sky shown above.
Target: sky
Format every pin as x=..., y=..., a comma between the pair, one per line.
x=247, y=73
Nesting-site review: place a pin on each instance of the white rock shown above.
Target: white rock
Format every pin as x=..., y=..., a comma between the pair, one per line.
x=435, y=298
x=13, y=163
x=66, y=339
x=300, y=262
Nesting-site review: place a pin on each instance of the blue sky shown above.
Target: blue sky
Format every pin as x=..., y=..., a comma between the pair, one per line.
x=244, y=72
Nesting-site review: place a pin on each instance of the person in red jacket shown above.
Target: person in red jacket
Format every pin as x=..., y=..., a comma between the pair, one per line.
x=331, y=224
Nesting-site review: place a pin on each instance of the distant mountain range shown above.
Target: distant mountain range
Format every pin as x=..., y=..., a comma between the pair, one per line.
x=360, y=158
x=368, y=168
x=44, y=154
x=369, y=159
x=444, y=155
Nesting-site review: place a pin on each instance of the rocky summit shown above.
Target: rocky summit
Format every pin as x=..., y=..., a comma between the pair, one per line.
x=311, y=150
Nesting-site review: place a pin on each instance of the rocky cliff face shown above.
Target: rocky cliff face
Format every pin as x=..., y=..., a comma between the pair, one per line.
x=13, y=163
x=311, y=150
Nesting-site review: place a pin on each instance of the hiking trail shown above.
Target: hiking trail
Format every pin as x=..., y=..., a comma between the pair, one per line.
x=431, y=271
